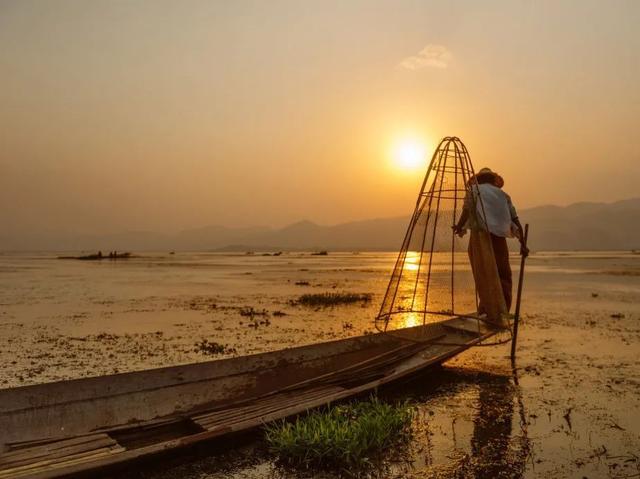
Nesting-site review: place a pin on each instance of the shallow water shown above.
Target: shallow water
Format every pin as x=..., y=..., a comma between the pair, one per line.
x=569, y=408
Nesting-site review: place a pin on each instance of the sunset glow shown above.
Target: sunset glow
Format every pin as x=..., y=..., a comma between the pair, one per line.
x=322, y=122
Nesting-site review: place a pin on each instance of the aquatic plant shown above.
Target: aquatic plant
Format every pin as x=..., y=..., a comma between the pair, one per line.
x=351, y=436
x=212, y=348
x=332, y=299
x=251, y=312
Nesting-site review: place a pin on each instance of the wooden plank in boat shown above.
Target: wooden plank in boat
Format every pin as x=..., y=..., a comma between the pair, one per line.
x=250, y=407
x=50, y=443
x=272, y=415
x=150, y=424
x=272, y=407
x=70, y=445
x=51, y=468
x=265, y=407
x=56, y=454
x=467, y=325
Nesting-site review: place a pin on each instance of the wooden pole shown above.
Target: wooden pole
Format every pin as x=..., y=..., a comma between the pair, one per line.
x=516, y=315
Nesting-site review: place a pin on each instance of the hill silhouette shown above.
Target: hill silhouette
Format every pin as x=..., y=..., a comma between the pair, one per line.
x=579, y=226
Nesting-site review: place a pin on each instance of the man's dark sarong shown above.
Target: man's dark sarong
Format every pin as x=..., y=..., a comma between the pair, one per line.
x=489, y=258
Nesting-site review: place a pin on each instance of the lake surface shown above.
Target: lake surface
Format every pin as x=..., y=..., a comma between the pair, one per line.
x=570, y=407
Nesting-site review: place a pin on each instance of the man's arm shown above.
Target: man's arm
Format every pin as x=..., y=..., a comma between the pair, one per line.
x=458, y=228
x=524, y=251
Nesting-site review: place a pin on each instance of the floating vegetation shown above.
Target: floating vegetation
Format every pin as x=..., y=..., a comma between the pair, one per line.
x=211, y=348
x=344, y=436
x=196, y=303
x=254, y=314
x=302, y=283
x=106, y=337
x=254, y=323
x=621, y=272
x=250, y=312
x=332, y=299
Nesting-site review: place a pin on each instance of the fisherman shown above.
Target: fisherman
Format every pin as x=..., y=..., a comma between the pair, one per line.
x=501, y=221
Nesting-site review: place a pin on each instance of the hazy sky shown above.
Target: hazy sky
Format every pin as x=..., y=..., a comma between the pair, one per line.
x=165, y=115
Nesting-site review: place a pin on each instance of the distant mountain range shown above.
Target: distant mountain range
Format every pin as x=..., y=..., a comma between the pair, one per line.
x=580, y=226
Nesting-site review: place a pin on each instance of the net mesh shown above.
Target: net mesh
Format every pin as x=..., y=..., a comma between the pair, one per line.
x=432, y=279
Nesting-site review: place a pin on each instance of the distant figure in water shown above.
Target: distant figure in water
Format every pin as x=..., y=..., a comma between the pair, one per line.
x=501, y=221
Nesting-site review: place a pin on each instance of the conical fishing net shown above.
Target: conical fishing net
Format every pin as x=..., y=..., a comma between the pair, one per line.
x=433, y=279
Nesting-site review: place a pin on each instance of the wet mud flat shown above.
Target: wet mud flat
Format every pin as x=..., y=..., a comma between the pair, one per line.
x=568, y=407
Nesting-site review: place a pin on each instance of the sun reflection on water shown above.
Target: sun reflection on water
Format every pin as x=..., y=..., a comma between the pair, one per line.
x=411, y=319
x=412, y=261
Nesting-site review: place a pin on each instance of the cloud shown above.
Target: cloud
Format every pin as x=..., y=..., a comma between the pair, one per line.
x=435, y=56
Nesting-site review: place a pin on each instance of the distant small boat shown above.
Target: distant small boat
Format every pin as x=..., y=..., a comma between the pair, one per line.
x=96, y=424
x=98, y=256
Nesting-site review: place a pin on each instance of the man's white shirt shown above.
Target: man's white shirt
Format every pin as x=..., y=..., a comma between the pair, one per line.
x=496, y=207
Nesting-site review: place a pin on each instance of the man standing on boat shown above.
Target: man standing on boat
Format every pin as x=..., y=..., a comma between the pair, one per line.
x=487, y=208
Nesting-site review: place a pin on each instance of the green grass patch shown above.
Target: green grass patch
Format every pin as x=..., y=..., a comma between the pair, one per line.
x=346, y=436
x=333, y=299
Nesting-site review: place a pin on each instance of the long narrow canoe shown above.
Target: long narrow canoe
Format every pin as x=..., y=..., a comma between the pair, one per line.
x=95, y=424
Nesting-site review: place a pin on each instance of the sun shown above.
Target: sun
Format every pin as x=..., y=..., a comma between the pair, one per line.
x=409, y=154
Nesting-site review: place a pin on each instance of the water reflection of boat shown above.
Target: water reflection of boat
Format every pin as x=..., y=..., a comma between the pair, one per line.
x=493, y=442
x=495, y=450
x=72, y=427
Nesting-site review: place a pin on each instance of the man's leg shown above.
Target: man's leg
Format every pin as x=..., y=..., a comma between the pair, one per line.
x=476, y=275
x=501, y=252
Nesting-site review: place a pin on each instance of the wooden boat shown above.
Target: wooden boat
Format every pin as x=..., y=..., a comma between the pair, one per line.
x=86, y=426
